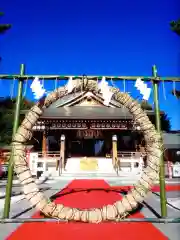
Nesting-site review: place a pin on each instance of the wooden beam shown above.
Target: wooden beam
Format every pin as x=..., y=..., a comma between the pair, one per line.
x=114, y=150
x=44, y=145
x=93, y=77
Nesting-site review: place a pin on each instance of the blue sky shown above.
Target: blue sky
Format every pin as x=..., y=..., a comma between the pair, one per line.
x=98, y=37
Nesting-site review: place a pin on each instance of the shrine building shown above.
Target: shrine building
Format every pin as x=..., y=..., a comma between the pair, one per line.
x=79, y=125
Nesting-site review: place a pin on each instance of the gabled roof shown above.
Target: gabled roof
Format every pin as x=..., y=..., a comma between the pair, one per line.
x=86, y=105
x=74, y=98
x=88, y=112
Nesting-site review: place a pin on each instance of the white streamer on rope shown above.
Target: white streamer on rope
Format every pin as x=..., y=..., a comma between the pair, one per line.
x=25, y=88
x=70, y=85
x=12, y=88
x=142, y=87
x=124, y=84
x=43, y=82
x=37, y=88
x=174, y=89
x=55, y=84
x=164, y=89
x=105, y=90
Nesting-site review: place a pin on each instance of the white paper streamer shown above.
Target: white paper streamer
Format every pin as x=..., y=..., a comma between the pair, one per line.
x=70, y=85
x=142, y=87
x=105, y=90
x=37, y=88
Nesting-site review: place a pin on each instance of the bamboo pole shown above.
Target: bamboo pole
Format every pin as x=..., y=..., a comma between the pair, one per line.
x=131, y=220
x=158, y=127
x=15, y=127
x=95, y=77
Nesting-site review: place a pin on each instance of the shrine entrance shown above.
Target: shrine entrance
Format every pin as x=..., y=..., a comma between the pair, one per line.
x=85, y=144
x=88, y=147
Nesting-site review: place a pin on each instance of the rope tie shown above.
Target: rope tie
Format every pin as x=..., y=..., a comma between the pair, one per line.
x=55, y=84
x=12, y=88
x=25, y=89
x=174, y=88
x=164, y=89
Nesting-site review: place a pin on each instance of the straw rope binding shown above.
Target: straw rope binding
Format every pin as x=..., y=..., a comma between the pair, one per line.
x=119, y=209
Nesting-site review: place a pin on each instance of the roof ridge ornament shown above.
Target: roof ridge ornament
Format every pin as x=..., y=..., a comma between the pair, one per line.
x=105, y=90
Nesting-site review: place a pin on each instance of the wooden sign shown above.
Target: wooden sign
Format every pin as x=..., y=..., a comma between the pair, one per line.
x=89, y=133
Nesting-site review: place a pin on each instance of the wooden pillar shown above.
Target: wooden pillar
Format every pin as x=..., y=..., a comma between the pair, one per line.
x=114, y=150
x=44, y=145
x=62, y=152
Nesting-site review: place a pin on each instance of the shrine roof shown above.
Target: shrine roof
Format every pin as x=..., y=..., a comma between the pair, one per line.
x=72, y=99
x=66, y=99
x=88, y=112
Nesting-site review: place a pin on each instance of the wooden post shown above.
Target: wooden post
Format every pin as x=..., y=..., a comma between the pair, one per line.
x=62, y=153
x=44, y=145
x=114, y=150
x=15, y=127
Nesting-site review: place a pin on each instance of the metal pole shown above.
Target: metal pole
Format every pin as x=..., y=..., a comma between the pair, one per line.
x=158, y=127
x=15, y=127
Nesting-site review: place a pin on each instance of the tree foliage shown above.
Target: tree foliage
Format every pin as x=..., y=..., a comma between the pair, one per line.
x=4, y=27
x=7, y=107
x=175, y=26
x=176, y=93
x=165, y=121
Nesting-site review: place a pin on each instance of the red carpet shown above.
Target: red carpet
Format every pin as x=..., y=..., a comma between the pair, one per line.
x=156, y=188
x=84, y=231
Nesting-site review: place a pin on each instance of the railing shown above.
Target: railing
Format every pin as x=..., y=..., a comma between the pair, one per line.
x=116, y=167
x=49, y=154
x=129, y=160
x=49, y=162
x=131, y=154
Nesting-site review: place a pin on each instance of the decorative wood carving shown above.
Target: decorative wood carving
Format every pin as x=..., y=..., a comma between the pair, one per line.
x=89, y=133
x=84, y=124
x=120, y=124
x=89, y=101
x=68, y=125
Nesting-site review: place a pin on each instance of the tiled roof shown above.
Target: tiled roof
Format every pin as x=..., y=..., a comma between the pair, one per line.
x=82, y=112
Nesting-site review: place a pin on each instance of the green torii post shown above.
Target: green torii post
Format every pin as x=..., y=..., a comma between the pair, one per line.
x=15, y=127
x=158, y=127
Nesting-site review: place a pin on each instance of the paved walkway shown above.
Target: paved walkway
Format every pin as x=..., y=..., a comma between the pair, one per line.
x=21, y=208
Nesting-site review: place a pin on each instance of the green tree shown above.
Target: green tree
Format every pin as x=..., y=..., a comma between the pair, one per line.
x=165, y=121
x=7, y=107
x=175, y=27
x=4, y=27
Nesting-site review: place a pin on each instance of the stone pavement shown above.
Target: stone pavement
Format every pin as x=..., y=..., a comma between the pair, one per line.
x=171, y=230
x=21, y=208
